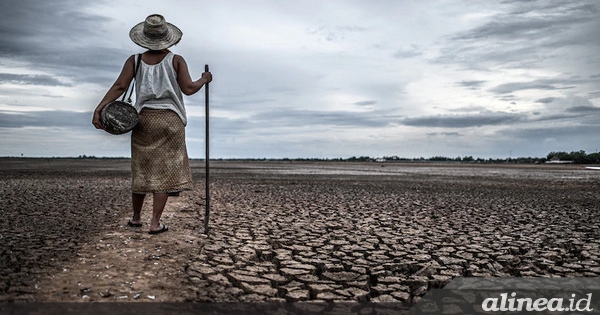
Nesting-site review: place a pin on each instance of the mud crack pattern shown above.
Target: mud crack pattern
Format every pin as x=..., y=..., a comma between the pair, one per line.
x=292, y=237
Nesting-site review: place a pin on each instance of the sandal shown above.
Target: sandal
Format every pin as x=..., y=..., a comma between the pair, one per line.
x=163, y=228
x=130, y=223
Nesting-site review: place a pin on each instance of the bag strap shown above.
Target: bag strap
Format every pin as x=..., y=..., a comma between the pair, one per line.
x=135, y=70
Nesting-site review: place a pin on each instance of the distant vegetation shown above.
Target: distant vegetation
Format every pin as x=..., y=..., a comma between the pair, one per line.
x=578, y=157
x=575, y=157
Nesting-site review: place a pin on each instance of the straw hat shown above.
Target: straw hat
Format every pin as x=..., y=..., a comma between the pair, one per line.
x=155, y=33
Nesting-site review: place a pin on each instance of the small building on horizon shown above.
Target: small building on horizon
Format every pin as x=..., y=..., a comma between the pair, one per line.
x=556, y=160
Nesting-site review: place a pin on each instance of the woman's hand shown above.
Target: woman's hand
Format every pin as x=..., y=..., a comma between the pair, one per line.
x=207, y=77
x=96, y=120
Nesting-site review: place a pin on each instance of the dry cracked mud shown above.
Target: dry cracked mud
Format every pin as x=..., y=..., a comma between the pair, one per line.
x=291, y=231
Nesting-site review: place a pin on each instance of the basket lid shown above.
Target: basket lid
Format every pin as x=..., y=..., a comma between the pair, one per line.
x=118, y=117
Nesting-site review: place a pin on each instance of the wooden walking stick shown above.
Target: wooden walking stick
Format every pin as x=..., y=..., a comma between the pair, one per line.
x=207, y=159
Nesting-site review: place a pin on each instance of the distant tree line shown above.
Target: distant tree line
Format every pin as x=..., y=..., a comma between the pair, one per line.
x=578, y=157
x=575, y=157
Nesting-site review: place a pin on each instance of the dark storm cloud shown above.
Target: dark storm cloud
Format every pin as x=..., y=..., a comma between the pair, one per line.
x=241, y=103
x=407, y=53
x=53, y=36
x=464, y=121
x=365, y=103
x=264, y=123
x=31, y=79
x=269, y=122
x=584, y=109
x=28, y=25
x=546, y=84
x=471, y=85
x=468, y=109
x=447, y=134
x=573, y=115
x=526, y=34
x=10, y=119
x=535, y=20
x=574, y=133
x=546, y=100
x=300, y=118
x=451, y=134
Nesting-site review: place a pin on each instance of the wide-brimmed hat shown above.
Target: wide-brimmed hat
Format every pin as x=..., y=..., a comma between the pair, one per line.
x=155, y=33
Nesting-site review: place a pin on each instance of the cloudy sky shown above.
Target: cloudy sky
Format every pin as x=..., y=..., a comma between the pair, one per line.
x=317, y=78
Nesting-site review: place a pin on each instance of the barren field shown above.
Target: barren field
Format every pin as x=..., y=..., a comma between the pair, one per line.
x=287, y=231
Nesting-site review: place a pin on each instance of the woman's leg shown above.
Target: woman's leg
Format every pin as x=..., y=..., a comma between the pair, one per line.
x=137, y=201
x=160, y=200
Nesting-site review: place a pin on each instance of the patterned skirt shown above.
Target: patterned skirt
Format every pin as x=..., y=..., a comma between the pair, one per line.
x=159, y=160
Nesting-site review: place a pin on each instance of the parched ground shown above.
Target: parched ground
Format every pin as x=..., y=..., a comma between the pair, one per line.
x=292, y=231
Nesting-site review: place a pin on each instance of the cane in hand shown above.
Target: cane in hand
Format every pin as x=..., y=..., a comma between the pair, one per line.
x=207, y=159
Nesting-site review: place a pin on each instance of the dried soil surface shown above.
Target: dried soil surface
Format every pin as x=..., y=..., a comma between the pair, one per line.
x=283, y=231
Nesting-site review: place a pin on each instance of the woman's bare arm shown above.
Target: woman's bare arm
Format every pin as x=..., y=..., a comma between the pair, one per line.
x=118, y=88
x=187, y=85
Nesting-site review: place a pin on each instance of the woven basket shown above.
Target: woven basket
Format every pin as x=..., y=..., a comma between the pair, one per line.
x=118, y=117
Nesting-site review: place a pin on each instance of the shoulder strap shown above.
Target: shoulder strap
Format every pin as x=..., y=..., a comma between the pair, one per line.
x=135, y=70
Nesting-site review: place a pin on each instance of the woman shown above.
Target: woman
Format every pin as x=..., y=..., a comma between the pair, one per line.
x=159, y=161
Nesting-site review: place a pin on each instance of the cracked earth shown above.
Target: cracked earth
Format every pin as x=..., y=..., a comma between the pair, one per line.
x=283, y=231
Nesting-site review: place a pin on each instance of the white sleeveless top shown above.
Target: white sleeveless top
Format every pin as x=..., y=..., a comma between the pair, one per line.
x=156, y=87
